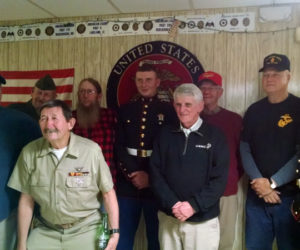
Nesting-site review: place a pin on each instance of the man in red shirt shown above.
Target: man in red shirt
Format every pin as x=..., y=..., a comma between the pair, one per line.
x=93, y=121
x=230, y=123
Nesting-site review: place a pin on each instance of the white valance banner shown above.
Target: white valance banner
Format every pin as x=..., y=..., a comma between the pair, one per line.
x=190, y=24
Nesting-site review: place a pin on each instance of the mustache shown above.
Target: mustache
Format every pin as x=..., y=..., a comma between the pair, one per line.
x=48, y=131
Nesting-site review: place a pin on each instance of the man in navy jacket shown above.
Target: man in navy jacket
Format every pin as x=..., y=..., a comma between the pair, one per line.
x=16, y=130
x=189, y=167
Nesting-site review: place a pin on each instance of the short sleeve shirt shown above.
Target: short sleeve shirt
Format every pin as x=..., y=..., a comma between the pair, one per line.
x=66, y=190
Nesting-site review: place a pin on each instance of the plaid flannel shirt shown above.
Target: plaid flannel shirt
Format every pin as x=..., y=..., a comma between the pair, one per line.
x=103, y=133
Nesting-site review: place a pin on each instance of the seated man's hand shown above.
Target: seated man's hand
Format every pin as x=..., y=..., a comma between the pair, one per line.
x=140, y=179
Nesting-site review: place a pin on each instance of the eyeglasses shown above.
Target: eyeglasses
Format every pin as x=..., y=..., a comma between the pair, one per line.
x=87, y=91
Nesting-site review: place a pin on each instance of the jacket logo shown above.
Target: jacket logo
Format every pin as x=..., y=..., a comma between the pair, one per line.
x=285, y=120
x=207, y=146
x=160, y=118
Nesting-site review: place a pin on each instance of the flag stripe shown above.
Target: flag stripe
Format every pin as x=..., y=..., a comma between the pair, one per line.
x=19, y=84
x=59, y=73
x=21, y=98
x=28, y=90
x=16, y=90
x=69, y=102
x=31, y=82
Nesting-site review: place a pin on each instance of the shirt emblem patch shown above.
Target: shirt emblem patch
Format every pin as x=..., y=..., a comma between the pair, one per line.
x=284, y=120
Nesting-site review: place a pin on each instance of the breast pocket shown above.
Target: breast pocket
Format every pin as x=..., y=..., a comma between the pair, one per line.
x=79, y=192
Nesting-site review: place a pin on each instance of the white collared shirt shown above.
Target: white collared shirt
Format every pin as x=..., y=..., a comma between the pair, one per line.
x=194, y=127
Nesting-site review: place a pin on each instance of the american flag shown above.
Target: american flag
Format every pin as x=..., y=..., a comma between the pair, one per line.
x=19, y=84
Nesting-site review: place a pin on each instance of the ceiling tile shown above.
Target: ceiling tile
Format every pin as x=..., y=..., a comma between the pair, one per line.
x=77, y=7
x=135, y=6
x=20, y=9
x=201, y=4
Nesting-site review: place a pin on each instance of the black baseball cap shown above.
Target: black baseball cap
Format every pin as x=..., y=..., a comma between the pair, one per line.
x=2, y=80
x=276, y=61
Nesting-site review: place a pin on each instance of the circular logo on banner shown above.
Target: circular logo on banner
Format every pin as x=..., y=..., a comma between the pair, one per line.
x=246, y=21
x=234, y=21
x=125, y=26
x=175, y=66
x=49, y=31
x=37, y=32
x=223, y=22
x=200, y=24
x=28, y=32
x=115, y=27
x=81, y=28
x=148, y=25
x=135, y=26
x=20, y=32
x=182, y=25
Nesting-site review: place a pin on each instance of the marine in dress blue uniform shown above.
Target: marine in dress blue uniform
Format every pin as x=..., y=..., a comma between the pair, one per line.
x=139, y=122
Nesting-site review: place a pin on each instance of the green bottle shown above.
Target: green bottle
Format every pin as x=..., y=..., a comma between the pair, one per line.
x=103, y=233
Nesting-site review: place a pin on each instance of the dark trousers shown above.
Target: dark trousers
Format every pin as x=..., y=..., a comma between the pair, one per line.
x=265, y=221
x=130, y=214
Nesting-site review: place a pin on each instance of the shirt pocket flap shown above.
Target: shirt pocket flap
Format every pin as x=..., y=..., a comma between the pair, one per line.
x=78, y=181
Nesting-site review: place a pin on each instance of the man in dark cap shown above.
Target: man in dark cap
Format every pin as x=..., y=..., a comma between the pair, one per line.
x=268, y=148
x=16, y=130
x=43, y=91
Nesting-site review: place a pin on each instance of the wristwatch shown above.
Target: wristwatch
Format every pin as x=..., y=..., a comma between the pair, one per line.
x=272, y=184
x=114, y=231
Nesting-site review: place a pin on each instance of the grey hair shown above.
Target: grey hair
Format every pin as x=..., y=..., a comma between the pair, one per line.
x=188, y=89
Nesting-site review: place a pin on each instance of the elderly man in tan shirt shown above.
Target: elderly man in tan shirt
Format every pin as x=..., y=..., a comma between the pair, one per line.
x=65, y=175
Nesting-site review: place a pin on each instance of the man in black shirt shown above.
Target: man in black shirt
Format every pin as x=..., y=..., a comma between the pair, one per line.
x=268, y=149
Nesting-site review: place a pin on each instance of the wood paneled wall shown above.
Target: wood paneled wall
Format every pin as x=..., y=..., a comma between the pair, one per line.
x=236, y=56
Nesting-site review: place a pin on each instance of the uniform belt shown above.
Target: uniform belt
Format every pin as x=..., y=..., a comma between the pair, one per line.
x=139, y=152
x=93, y=217
x=69, y=225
